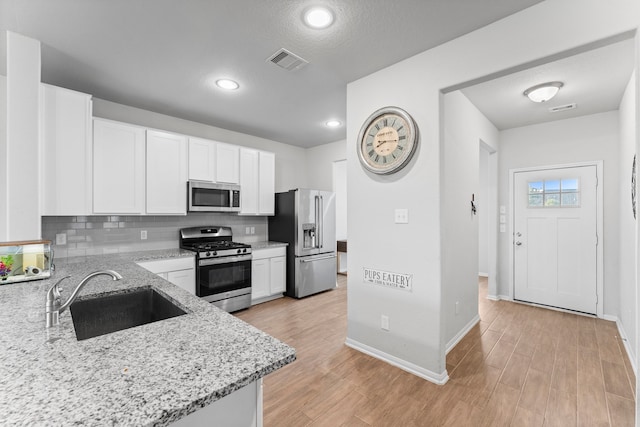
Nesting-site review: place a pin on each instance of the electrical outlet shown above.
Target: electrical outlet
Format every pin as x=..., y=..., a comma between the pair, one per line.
x=143, y=234
x=247, y=230
x=61, y=239
x=402, y=216
x=384, y=322
x=253, y=230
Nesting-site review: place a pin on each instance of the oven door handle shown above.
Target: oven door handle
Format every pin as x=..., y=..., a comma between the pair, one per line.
x=224, y=260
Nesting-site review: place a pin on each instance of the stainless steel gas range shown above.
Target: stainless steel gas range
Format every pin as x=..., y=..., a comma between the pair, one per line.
x=223, y=267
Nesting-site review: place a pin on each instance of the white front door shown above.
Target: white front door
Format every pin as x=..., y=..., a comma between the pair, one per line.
x=555, y=237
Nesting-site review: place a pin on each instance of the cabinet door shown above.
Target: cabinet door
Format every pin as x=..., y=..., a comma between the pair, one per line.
x=266, y=183
x=186, y=279
x=66, y=151
x=202, y=159
x=278, y=275
x=227, y=163
x=260, y=278
x=249, y=173
x=118, y=168
x=166, y=173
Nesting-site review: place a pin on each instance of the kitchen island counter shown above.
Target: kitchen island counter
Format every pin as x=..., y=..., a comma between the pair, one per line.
x=152, y=374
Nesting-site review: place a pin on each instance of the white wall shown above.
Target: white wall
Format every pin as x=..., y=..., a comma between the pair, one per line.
x=4, y=211
x=416, y=339
x=290, y=160
x=587, y=138
x=483, y=217
x=22, y=162
x=626, y=222
x=320, y=164
x=460, y=227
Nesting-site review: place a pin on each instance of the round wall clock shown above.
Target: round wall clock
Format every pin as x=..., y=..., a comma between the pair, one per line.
x=387, y=140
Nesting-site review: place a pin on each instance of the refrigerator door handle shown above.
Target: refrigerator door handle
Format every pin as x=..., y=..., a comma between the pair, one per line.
x=321, y=223
x=316, y=221
x=318, y=259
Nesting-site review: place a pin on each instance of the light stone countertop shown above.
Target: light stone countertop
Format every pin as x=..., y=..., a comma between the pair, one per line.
x=267, y=245
x=152, y=374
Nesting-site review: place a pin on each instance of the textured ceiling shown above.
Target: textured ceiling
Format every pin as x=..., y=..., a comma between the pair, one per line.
x=594, y=80
x=161, y=54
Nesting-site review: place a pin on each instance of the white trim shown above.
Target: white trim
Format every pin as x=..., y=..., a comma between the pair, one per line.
x=599, y=225
x=500, y=297
x=481, y=274
x=414, y=369
x=464, y=331
x=623, y=335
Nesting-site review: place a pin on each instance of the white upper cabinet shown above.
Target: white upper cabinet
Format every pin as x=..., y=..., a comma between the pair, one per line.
x=66, y=151
x=257, y=181
x=118, y=168
x=214, y=161
x=166, y=173
x=227, y=163
x=266, y=183
x=202, y=159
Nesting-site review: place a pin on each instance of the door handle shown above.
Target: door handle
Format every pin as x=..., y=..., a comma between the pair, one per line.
x=518, y=243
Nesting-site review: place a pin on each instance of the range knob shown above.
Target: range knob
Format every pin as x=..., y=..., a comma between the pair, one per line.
x=244, y=250
x=207, y=254
x=214, y=253
x=239, y=251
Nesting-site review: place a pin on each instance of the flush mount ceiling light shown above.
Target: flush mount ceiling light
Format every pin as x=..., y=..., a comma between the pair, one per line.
x=318, y=17
x=227, y=84
x=333, y=123
x=543, y=92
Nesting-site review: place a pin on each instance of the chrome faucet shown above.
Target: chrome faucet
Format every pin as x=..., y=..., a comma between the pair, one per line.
x=54, y=305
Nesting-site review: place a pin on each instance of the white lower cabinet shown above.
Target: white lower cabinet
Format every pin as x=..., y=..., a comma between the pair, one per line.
x=179, y=271
x=240, y=408
x=268, y=274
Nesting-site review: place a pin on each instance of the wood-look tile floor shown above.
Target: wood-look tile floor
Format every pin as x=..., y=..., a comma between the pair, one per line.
x=520, y=366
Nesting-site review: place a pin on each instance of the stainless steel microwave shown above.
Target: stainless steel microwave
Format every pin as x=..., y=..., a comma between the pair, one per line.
x=213, y=197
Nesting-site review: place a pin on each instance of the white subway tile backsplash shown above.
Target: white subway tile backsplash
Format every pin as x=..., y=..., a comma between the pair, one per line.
x=95, y=235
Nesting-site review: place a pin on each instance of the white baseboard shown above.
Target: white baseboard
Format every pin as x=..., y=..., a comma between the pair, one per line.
x=623, y=335
x=481, y=274
x=414, y=369
x=499, y=297
x=455, y=340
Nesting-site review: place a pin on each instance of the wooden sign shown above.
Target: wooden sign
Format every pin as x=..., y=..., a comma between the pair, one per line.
x=401, y=281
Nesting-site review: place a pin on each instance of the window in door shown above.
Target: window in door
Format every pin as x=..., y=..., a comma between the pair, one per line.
x=554, y=193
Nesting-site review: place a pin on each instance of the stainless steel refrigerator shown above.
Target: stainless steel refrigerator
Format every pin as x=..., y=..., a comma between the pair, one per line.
x=306, y=220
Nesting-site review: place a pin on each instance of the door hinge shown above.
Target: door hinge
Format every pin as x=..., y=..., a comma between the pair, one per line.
x=597, y=240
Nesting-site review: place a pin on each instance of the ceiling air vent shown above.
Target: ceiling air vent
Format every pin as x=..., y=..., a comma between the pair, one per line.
x=563, y=107
x=287, y=60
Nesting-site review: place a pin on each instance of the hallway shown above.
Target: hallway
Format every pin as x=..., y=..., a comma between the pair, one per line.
x=520, y=366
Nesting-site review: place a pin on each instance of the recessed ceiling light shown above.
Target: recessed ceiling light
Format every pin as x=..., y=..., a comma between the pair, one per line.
x=543, y=92
x=227, y=84
x=318, y=17
x=333, y=123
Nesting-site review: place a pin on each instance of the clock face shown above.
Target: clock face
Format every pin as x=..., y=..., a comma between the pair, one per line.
x=387, y=140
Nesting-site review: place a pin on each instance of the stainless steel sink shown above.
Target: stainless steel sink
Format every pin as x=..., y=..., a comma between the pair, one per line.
x=115, y=312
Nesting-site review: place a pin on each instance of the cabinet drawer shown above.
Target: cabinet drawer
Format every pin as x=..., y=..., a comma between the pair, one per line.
x=269, y=252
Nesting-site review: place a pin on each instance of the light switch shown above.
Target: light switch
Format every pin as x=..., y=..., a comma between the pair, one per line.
x=503, y=228
x=402, y=216
x=503, y=219
x=503, y=209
